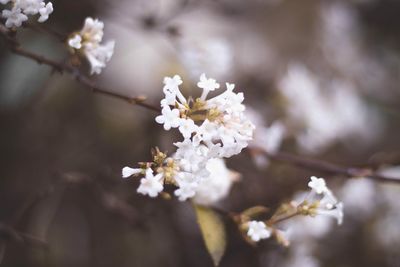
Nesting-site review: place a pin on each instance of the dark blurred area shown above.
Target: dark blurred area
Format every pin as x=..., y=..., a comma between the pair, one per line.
x=63, y=147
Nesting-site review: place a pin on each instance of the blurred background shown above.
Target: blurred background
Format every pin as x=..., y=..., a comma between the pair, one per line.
x=326, y=70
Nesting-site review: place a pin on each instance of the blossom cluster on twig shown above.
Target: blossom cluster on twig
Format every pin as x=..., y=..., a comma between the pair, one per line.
x=212, y=129
x=87, y=42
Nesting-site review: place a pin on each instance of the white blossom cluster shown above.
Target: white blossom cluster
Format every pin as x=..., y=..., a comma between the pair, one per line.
x=266, y=138
x=212, y=129
x=88, y=42
x=325, y=116
x=322, y=201
x=258, y=230
x=20, y=9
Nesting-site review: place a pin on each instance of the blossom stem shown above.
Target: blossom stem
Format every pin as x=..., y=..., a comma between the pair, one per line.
x=204, y=95
x=285, y=217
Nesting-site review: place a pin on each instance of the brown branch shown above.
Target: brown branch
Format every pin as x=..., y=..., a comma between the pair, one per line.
x=15, y=47
x=9, y=233
x=109, y=200
x=44, y=29
x=325, y=167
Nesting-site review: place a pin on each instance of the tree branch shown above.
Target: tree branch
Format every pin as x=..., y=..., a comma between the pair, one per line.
x=9, y=233
x=15, y=47
x=324, y=166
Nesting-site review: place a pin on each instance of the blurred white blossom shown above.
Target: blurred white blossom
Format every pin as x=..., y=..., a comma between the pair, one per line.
x=151, y=184
x=268, y=139
x=359, y=196
x=216, y=186
x=215, y=56
x=88, y=41
x=258, y=230
x=324, y=116
x=21, y=8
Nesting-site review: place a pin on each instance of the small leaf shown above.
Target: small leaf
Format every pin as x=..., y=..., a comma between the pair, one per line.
x=213, y=231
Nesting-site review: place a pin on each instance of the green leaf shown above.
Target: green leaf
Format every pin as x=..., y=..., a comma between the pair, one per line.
x=213, y=230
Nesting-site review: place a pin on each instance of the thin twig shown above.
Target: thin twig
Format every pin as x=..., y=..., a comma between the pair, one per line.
x=44, y=29
x=325, y=167
x=287, y=216
x=109, y=200
x=9, y=233
x=15, y=47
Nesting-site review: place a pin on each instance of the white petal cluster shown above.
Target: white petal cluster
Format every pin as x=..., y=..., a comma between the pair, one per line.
x=213, y=55
x=223, y=128
x=258, y=230
x=212, y=129
x=325, y=111
x=88, y=42
x=327, y=204
x=22, y=8
x=267, y=139
x=217, y=185
x=151, y=185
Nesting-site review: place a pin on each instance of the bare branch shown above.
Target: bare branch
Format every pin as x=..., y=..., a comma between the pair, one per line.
x=9, y=233
x=325, y=167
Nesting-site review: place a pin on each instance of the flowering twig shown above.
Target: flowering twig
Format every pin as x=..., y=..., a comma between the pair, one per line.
x=311, y=164
x=15, y=47
x=326, y=167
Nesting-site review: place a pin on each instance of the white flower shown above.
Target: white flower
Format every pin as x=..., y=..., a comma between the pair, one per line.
x=151, y=185
x=88, y=39
x=14, y=17
x=336, y=212
x=21, y=8
x=322, y=201
x=172, y=83
x=187, y=127
x=184, y=148
x=99, y=56
x=127, y=171
x=258, y=230
x=318, y=185
x=217, y=185
x=207, y=85
x=29, y=7
x=170, y=118
x=171, y=90
x=45, y=12
x=75, y=42
x=92, y=30
x=187, y=186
